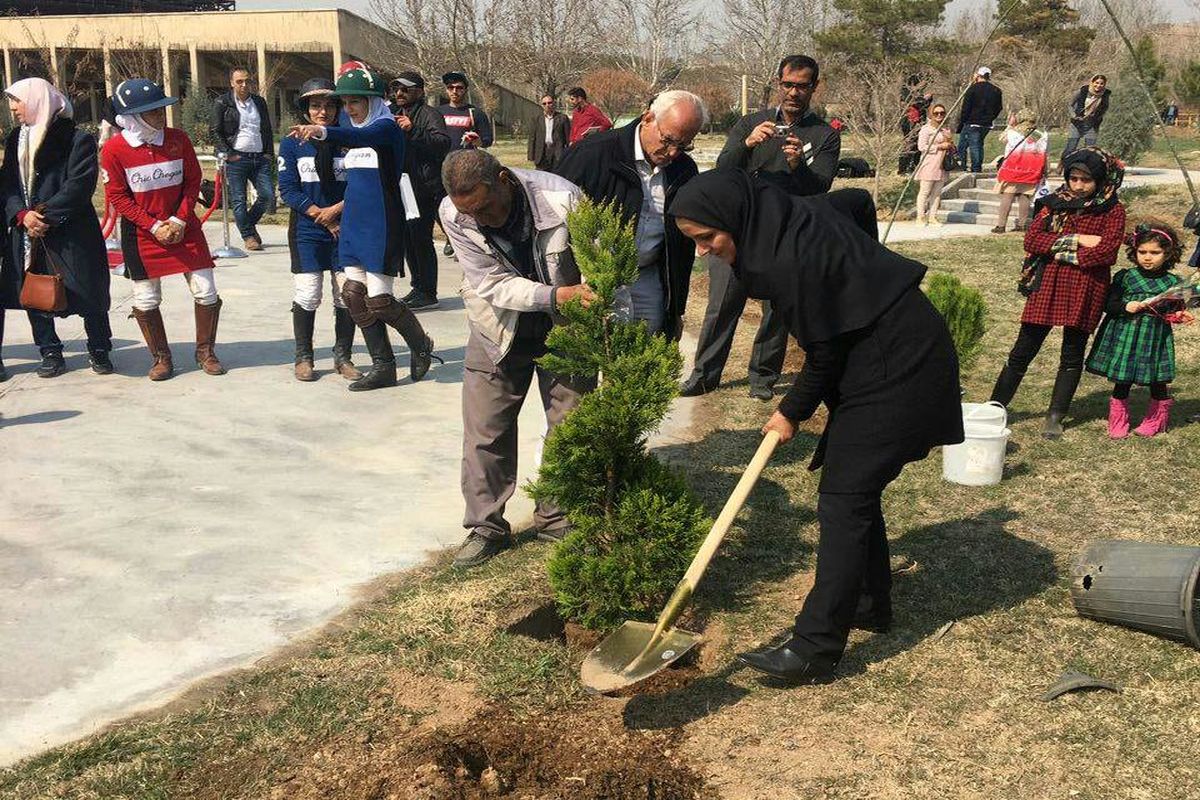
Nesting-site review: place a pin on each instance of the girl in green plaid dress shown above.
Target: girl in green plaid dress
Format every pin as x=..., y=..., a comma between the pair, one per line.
x=1135, y=343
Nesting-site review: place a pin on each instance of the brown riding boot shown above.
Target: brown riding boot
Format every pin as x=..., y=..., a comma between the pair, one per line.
x=151, y=323
x=206, y=338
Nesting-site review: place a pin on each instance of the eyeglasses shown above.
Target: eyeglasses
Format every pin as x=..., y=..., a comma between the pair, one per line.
x=792, y=86
x=937, y=114
x=681, y=146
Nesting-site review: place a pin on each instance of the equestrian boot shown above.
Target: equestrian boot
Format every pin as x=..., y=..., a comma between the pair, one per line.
x=151, y=323
x=1118, y=418
x=1006, y=385
x=383, y=360
x=206, y=337
x=302, y=329
x=1156, y=417
x=401, y=317
x=343, y=343
x=1065, y=385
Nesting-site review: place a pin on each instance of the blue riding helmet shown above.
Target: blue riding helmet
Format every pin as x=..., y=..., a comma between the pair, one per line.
x=138, y=95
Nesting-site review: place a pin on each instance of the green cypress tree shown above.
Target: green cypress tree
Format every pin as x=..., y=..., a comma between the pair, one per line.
x=636, y=523
x=965, y=313
x=1128, y=129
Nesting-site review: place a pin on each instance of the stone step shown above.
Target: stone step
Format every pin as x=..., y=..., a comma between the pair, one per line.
x=972, y=206
x=965, y=217
x=986, y=183
x=977, y=194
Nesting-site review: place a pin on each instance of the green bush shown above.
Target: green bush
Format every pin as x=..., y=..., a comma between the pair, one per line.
x=195, y=111
x=965, y=314
x=1128, y=129
x=636, y=524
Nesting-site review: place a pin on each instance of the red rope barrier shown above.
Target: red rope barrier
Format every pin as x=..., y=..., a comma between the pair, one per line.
x=109, y=222
x=216, y=199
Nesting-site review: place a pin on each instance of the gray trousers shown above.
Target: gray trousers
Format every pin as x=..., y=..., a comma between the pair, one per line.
x=726, y=301
x=492, y=397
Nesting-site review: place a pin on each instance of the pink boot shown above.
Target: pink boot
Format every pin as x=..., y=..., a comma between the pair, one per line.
x=1156, y=418
x=1118, y=418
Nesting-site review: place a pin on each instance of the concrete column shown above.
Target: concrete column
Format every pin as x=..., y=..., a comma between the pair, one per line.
x=94, y=99
x=9, y=77
x=169, y=86
x=338, y=58
x=194, y=67
x=261, y=54
x=106, y=67
x=55, y=75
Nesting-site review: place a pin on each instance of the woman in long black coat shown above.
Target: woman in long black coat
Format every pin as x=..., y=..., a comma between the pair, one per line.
x=877, y=354
x=46, y=184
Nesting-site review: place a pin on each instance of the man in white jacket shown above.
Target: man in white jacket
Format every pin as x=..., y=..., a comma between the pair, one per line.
x=509, y=230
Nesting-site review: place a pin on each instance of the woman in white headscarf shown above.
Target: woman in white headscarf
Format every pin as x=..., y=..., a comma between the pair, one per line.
x=46, y=185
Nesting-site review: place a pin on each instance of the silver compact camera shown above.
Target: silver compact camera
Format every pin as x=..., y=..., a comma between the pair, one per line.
x=781, y=131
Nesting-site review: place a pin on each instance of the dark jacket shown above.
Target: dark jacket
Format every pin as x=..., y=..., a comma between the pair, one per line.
x=982, y=104
x=225, y=120
x=543, y=157
x=466, y=119
x=66, y=167
x=603, y=166
x=812, y=176
x=1091, y=123
x=428, y=144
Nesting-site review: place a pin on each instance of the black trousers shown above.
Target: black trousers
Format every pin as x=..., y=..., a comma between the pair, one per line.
x=419, y=252
x=726, y=302
x=852, y=560
x=99, y=333
x=1030, y=340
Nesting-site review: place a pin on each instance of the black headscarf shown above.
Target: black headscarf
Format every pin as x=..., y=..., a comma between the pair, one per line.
x=325, y=151
x=1106, y=170
x=810, y=256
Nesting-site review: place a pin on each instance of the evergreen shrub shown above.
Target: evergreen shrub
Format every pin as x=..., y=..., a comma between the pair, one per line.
x=965, y=313
x=636, y=523
x=195, y=113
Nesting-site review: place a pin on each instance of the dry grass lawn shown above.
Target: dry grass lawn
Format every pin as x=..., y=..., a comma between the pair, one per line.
x=444, y=685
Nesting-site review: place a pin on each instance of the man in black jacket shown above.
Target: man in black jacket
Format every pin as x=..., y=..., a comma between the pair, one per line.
x=789, y=144
x=982, y=103
x=1086, y=113
x=548, y=135
x=428, y=143
x=241, y=127
x=640, y=167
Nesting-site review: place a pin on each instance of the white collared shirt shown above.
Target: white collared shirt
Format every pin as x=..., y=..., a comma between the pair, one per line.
x=249, y=134
x=550, y=129
x=651, y=228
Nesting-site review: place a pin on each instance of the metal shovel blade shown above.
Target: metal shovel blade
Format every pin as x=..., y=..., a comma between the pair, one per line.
x=623, y=659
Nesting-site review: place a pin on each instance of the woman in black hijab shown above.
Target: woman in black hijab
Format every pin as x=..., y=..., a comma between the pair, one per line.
x=877, y=354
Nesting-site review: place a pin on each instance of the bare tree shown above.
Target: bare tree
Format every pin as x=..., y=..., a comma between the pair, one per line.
x=658, y=36
x=1036, y=79
x=757, y=34
x=426, y=43
x=616, y=91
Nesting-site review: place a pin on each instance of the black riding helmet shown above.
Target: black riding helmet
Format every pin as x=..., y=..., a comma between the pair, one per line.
x=315, y=87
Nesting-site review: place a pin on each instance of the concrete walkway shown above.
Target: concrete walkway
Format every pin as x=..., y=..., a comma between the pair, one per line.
x=155, y=533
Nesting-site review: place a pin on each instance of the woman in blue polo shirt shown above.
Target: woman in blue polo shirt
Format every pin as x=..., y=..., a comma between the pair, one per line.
x=312, y=181
x=371, y=236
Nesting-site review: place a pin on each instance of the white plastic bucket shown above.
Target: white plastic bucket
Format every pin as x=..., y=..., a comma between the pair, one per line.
x=990, y=414
x=979, y=460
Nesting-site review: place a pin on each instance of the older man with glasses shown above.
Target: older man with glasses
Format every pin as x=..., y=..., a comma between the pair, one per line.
x=640, y=167
x=790, y=144
x=548, y=136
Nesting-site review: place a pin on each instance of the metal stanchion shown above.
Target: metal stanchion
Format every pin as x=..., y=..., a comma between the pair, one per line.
x=228, y=251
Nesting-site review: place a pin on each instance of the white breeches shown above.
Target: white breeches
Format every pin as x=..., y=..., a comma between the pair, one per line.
x=308, y=289
x=376, y=283
x=147, y=294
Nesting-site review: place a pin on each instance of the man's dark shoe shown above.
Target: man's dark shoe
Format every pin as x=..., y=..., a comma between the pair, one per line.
x=694, y=388
x=101, y=363
x=408, y=298
x=554, y=534
x=764, y=393
x=52, y=366
x=478, y=549
x=422, y=301
x=787, y=665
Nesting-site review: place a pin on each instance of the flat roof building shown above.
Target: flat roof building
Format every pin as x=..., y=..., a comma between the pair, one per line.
x=87, y=55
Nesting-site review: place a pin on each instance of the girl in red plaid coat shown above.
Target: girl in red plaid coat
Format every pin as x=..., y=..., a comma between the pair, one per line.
x=1070, y=246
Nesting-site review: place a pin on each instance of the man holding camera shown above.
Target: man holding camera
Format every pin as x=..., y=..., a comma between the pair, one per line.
x=791, y=145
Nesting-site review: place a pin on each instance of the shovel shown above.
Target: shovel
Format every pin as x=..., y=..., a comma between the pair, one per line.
x=637, y=650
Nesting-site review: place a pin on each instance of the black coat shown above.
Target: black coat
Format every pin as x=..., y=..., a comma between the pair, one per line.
x=982, y=103
x=603, y=166
x=427, y=144
x=877, y=353
x=65, y=169
x=226, y=118
x=1090, y=123
x=543, y=156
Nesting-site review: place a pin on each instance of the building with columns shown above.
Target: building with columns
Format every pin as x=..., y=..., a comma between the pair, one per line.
x=87, y=55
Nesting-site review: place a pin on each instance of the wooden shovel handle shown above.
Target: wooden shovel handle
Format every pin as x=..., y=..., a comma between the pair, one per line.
x=732, y=506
